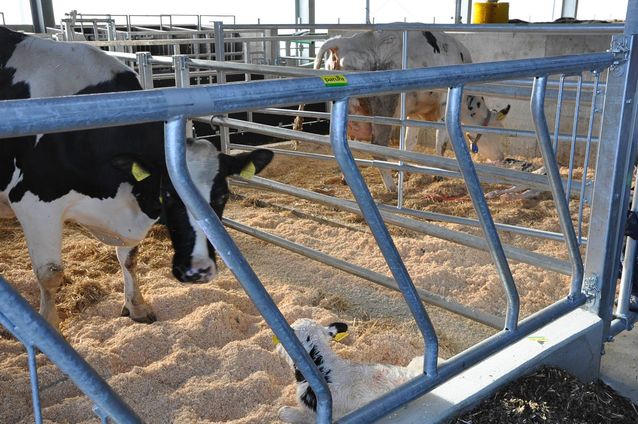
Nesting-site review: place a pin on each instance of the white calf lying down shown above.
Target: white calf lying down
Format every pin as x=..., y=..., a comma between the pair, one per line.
x=351, y=384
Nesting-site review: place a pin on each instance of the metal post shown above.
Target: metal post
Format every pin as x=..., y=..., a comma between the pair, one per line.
x=145, y=69
x=457, y=138
x=457, y=11
x=221, y=79
x=175, y=149
x=403, y=116
x=112, y=35
x=616, y=157
x=67, y=28
x=182, y=80
x=569, y=9
x=42, y=15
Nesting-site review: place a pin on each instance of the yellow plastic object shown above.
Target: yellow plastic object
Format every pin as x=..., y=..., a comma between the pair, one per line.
x=490, y=13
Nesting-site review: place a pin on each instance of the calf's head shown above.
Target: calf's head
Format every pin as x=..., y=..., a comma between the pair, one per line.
x=194, y=256
x=476, y=112
x=314, y=337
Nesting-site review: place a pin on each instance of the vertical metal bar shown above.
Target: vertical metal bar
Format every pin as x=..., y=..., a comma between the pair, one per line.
x=569, y=9
x=111, y=34
x=343, y=155
x=555, y=182
x=403, y=115
x=559, y=107
x=35, y=386
x=175, y=150
x=453, y=123
x=182, y=79
x=628, y=269
x=145, y=69
x=572, y=151
x=37, y=16
x=221, y=79
x=247, y=75
x=615, y=159
x=457, y=11
x=34, y=330
x=590, y=130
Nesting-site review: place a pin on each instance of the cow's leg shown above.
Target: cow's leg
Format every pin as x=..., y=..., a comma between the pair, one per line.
x=381, y=137
x=442, y=140
x=135, y=306
x=291, y=415
x=44, y=240
x=411, y=138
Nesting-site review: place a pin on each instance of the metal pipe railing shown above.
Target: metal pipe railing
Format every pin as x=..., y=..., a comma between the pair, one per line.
x=33, y=116
x=488, y=173
x=175, y=150
x=553, y=173
x=457, y=138
x=385, y=281
x=33, y=331
x=469, y=240
x=343, y=155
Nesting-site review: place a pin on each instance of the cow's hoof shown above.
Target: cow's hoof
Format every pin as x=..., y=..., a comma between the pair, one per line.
x=143, y=314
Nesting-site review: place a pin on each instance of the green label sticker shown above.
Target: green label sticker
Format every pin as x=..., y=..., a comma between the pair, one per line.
x=334, y=80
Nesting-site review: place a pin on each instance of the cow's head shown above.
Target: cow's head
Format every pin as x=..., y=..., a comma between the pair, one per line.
x=194, y=257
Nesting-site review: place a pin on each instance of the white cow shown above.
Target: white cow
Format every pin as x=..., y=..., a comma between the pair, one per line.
x=381, y=50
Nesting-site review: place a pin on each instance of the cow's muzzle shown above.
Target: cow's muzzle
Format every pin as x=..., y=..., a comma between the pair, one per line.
x=194, y=275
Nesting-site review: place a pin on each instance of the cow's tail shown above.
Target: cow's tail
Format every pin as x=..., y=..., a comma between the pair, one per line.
x=298, y=124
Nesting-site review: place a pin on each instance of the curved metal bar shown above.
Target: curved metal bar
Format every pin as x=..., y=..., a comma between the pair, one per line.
x=453, y=122
x=371, y=213
x=35, y=331
x=549, y=160
x=175, y=150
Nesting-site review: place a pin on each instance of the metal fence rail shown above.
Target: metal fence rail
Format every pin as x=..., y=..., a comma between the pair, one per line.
x=22, y=117
x=17, y=316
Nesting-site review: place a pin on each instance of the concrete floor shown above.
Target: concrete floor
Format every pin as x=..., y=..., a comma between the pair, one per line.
x=619, y=366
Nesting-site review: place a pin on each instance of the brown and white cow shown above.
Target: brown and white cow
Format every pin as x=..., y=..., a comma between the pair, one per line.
x=381, y=50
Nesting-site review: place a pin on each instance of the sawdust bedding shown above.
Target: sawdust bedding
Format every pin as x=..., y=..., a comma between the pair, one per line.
x=209, y=357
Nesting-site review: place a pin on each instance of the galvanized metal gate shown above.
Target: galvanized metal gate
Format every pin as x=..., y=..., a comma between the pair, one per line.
x=593, y=283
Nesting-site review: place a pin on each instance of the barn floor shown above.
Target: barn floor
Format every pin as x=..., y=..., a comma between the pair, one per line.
x=619, y=366
x=210, y=358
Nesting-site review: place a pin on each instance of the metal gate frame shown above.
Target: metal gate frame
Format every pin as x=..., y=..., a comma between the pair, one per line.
x=23, y=117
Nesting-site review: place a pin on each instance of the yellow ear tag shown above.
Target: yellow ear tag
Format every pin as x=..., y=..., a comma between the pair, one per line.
x=340, y=336
x=500, y=116
x=139, y=173
x=275, y=340
x=249, y=171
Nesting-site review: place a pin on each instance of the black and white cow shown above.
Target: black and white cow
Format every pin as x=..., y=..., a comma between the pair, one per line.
x=112, y=181
x=382, y=50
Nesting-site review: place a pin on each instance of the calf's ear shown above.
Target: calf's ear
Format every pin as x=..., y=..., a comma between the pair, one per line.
x=246, y=164
x=502, y=113
x=131, y=165
x=338, y=330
